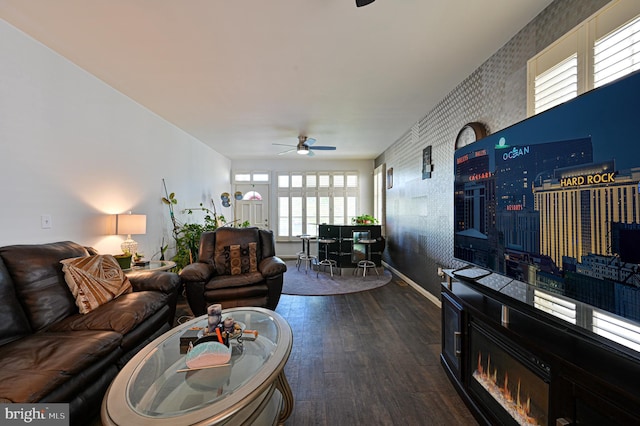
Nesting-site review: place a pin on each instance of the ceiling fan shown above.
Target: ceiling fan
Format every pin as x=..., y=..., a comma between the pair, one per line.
x=305, y=147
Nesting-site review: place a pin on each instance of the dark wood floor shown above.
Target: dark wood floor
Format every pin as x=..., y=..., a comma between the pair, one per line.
x=369, y=358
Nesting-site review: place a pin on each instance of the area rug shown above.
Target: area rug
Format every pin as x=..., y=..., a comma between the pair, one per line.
x=307, y=284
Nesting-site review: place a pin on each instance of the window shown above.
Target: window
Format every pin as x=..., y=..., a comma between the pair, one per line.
x=252, y=195
x=256, y=177
x=308, y=199
x=243, y=177
x=557, y=85
x=603, y=48
x=617, y=54
x=261, y=177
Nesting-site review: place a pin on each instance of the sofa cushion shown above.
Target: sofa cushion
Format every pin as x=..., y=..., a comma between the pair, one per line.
x=120, y=315
x=39, y=282
x=240, y=258
x=165, y=282
x=13, y=320
x=226, y=237
x=251, y=295
x=39, y=363
x=94, y=280
x=225, y=281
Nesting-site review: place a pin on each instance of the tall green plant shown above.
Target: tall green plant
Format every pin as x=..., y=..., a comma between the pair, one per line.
x=187, y=235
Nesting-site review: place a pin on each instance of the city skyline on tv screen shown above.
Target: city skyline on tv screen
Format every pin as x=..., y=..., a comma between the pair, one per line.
x=558, y=206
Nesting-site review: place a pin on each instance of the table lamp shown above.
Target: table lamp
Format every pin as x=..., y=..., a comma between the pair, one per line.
x=128, y=224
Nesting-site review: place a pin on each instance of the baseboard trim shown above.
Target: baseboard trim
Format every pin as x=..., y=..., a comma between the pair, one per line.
x=433, y=299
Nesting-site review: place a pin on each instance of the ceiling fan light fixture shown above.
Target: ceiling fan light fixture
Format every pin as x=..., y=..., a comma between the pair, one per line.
x=303, y=150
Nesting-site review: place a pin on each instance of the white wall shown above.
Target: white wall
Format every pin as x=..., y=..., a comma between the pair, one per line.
x=364, y=167
x=76, y=149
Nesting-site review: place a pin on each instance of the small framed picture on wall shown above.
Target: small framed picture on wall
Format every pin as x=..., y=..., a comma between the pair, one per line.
x=427, y=167
x=390, y=178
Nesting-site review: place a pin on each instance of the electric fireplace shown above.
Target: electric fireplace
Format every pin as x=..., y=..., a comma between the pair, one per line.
x=511, y=382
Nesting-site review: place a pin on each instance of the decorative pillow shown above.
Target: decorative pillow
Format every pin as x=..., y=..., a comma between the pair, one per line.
x=94, y=280
x=240, y=258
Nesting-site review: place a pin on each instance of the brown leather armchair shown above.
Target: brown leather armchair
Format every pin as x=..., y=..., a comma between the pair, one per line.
x=236, y=267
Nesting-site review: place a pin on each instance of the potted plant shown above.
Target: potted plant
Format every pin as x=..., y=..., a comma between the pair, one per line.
x=124, y=260
x=364, y=219
x=187, y=235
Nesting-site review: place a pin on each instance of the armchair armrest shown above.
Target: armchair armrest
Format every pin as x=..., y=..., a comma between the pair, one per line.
x=165, y=282
x=198, y=271
x=272, y=266
x=194, y=277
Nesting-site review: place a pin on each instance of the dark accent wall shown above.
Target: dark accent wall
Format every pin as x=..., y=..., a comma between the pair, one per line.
x=419, y=213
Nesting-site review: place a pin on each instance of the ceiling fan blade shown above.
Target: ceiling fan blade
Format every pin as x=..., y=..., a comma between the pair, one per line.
x=310, y=154
x=283, y=144
x=287, y=151
x=309, y=141
x=323, y=148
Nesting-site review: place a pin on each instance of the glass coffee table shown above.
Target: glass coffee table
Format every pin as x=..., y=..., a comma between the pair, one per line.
x=152, y=388
x=154, y=265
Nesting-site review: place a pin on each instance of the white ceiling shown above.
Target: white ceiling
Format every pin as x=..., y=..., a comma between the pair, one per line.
x=242, y=75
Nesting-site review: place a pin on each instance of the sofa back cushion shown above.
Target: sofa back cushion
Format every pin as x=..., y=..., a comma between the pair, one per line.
x=39, y=282
x=13, y=320
x=268, y=243
x=225, y=238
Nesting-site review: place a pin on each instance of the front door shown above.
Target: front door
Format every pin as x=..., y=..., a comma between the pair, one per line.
x=254, y=206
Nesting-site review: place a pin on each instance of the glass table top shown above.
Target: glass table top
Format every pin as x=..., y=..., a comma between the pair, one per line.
x=152, y=385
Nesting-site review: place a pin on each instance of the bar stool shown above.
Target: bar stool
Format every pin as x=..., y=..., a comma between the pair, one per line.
x=305, y=255
x=301, y=252
x=367, y=264
x=326, y=261
x=299, y=256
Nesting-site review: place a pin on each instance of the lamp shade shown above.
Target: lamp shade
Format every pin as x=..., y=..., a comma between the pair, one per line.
x=131, y=224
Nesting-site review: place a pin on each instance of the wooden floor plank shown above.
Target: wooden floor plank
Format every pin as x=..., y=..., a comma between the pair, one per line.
x=369, y=358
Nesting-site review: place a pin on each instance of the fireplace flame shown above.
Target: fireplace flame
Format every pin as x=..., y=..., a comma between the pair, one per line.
x=489, y=381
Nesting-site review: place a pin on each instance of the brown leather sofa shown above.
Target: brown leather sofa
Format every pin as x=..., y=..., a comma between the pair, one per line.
x=213, y=278
x=49, y=352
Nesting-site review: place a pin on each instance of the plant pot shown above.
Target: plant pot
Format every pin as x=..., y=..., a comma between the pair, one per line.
x=124, y=260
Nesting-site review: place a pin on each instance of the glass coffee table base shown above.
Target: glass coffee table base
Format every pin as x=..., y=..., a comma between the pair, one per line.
x=285, y=390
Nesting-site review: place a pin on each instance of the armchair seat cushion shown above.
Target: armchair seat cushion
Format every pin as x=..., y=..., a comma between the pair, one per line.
x=224, y=295
x=226, y=281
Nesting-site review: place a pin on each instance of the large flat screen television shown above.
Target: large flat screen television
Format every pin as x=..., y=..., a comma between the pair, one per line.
x=554, y=200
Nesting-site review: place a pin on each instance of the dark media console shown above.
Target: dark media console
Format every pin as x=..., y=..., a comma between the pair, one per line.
x=520, y=355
